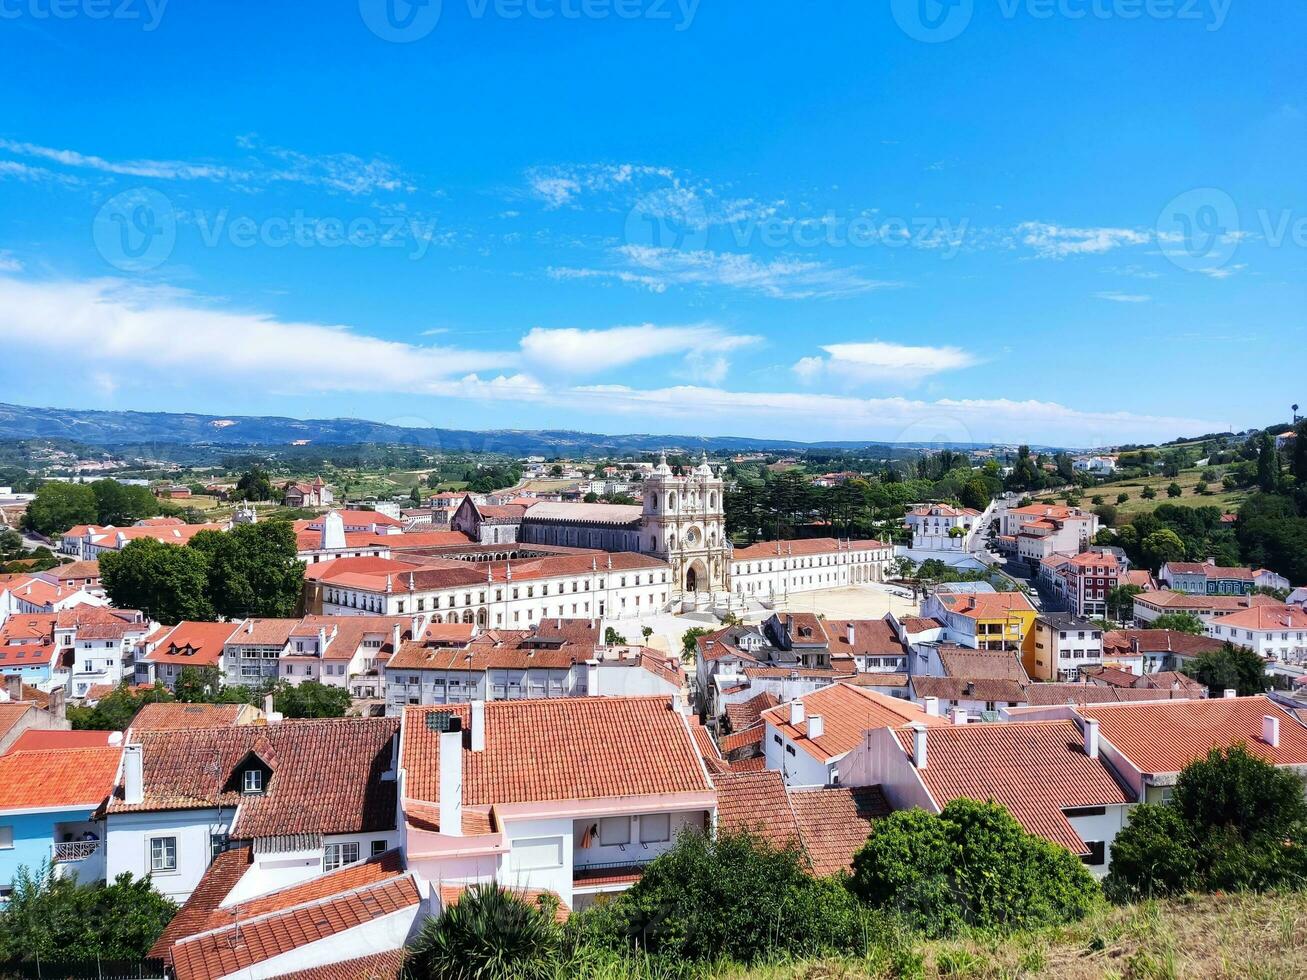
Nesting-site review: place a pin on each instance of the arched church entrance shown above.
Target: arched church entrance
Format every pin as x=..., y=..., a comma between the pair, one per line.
x=696, y=577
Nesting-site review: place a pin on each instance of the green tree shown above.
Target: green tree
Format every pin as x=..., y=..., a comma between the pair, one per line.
x=1122, y=497
x=115, y=711
x=613, y=638
x=997, y=876
x=120, y=505
x=1161, y=547
x=311, y=699
x=1200, y=487
x=197, y=685
x=1121, y=601
x=52, y=917
x=488, y=934
x=58, y=506
x=1148, y=493
x=255, y=484
x=253, y=569
x=165, y=581
x=1268, y=464
x=1106, y=514
x=1174, y=490
x=1154, y=856
x=1229, y=668
x=1180, y=622
x=689, y=641
x=975, y=493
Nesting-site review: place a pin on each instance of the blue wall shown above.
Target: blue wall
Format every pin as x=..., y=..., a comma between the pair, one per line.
x=33, y=839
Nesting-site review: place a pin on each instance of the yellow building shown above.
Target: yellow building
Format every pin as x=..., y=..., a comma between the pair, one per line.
x=986, y=620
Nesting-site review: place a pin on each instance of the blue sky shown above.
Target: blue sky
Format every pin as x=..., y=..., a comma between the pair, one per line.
x=1071, y=221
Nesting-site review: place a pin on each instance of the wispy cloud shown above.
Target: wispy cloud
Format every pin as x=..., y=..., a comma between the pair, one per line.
x=1124, y=297
x=342, y=172
x=1224, y=271
x=1058, y=241
x=782, y=278
x=878, y=361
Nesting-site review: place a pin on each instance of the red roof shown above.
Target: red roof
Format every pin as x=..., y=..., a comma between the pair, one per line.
x=169, y=715
x=378, y=966
x=802, y=547
x=1268, y=618
x=1165, y=736
x=39, y=739
x=560, y=749
x=1034, y=768
x=834, y=822
x=192, y=644
x=846, y=712
x=64, y=777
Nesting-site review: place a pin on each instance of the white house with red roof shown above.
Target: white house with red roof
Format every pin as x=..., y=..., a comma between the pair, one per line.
x=1277, y=632
x=312, y=494
x=573, y=795
x=164, y=654
x=38, y=594
x=1051, y=775
x=941, y=527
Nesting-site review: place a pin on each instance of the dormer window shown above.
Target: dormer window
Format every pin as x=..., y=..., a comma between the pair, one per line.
x=252, y=781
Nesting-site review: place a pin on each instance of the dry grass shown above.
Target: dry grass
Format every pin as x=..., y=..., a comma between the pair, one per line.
x=1250, y=937
x=1188, y=479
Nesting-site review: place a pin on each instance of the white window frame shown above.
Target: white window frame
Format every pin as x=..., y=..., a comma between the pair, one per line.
x=252, y=785
x=161, y=864
x=338, y=855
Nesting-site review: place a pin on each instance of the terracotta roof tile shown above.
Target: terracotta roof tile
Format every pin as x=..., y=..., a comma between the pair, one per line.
x=803, y=547
x=756, y=802
x=378, y=966
x=746, y=714
x=218, y=880
x=834, y=822
x=327, y=778
x=170, y=715
x=57, y=777
x=846, y=713
x=1165, y=736
x=560, y=749
x=1034, y=768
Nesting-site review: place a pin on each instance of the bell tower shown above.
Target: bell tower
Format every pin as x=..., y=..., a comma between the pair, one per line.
x=684, y=524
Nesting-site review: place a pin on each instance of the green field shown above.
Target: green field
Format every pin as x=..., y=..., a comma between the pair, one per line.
x=1188, y=479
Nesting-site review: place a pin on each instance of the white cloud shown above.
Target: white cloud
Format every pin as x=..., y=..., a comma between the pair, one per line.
x=1224, y=271
x=9, y=262
x=651, y=283
x=1057, y=241
x=165, y=332
x=1116, y=297
x=573, y=351
x=783, y=278
x=109, y=334
x=877, y=360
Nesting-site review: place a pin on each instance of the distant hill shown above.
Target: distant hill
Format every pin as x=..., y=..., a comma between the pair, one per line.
x=113, y=428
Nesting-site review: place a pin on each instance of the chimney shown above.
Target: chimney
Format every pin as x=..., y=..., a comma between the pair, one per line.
x=57, y=705
x=1230, y=693
x=133, y=775
x=249, y=626
x=816, y=726
x=592, y=677
x=14, y=686
x=1091, y=737
x=478, y=726
x=931, y=705
x=322, y=640
x=451, y=779
x=394, y=637
x=797, y=714
x=959, y=716
x=1271, y=731
x=919, y=745
x=849, y=632
x=415, y=626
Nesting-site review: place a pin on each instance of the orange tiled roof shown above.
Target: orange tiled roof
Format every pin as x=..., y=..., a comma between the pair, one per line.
x=1165, y=736
x=847, y=712
x=746, y=714
x=1034, y=768
x=217, y=882
x=834, y=822
x=160, y=716
x=235, y=948
x=985, y=605
x=40, y=739
x=1264, y=618
x=560, y=749
x=324, y=781
x=193, y=644
x=803, y=547
x=60, y=777
x=756, y=802
x=378, y=966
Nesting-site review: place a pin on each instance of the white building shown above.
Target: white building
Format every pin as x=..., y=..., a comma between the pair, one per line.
x=1277, y=632
x=939, y=527
x=569, y=796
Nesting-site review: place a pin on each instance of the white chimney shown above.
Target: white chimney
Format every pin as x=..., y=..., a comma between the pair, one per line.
x=931, y=705
x=849, y=633
x=958, y=716
x=1271, y=731
x=816, y=726
x=1230, y=693
x=592, y=678
x=1091, y=737
x=919, y=745
x=478, y=726
x=395, y=637
x=415, y=624
x=797, y=714
x=451, y=780
x=133, y=775
x=272, y=716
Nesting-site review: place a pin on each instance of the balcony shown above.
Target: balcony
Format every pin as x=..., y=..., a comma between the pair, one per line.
x=76, y=850
x=74, y=856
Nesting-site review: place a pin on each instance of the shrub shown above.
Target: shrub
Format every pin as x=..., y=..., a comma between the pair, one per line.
x=488, y=934
x=1152, y=857
x=735, y=896
x=974, y=865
